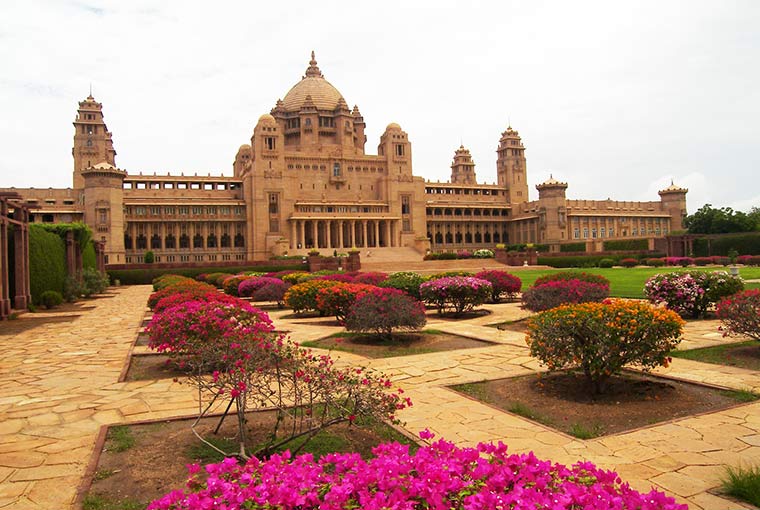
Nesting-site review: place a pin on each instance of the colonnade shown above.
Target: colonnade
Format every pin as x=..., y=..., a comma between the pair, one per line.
x=457, y=234
x=343, y=234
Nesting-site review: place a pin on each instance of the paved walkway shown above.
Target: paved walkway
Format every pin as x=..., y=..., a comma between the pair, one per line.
x=58, y=386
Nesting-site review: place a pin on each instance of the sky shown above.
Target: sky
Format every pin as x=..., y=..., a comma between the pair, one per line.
x=615, y=98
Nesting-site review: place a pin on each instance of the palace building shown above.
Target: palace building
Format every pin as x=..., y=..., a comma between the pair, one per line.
x=305, y=181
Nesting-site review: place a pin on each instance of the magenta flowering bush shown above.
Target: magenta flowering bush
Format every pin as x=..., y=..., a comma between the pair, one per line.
x=457, y=294
x=554, y=293
x=383, y=310
x=264, y=288
x=679, y=261
x=503, y=284
x=233, y=354
x=371, y=278
x=441, y=476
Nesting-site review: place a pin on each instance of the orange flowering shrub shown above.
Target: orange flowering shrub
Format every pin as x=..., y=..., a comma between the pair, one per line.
x=601, y=338
x=338, y=298
x=303, y=296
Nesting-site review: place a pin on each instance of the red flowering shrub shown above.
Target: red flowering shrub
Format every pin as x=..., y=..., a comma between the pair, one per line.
x=187, y=285
x=749, y=260
x=231, y=283
x=573, y=275
x=371, y=278
x=628, y=262
x=337, y=299
x=502, y=283
x=457, y=294
x=740, y=314
x=601, y=338
x=384, y=310
x=302, y=297
x=679, y=261
x=232, y=353
x=655, y=262
x=441, y=476
x=560, y=292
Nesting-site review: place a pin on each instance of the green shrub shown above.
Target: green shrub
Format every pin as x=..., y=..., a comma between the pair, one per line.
x=72, y=288
x=606, y=263
x=93, y=282
x=47, y=262
x=447, y=274
x=407, y=281
x=89, y=259
x=51, y=299
x=149, y=257
x=601, y=338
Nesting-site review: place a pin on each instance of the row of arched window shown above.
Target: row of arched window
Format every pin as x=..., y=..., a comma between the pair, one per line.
x=170, y=242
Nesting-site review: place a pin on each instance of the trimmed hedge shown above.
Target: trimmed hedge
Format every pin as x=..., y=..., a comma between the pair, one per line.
x=574, y=260
x=572, y=247
x=89, y=259
x=626, y=245
x=146, y=276
x=47, y=262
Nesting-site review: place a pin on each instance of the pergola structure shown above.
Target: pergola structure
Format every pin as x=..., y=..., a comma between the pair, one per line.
x=14, y=212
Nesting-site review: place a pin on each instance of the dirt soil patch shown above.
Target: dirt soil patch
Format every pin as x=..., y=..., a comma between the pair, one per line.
x=140, y=463
x=519, y=326
x=562, y=401
x=146, y=367
x=741, y=354
x=433, y=314
x=373, y=346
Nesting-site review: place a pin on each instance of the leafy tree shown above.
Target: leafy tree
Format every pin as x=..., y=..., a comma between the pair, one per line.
x=711, y=220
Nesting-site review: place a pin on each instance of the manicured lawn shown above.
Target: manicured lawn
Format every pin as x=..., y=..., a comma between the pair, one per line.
x=629, y=282
x=739, y=354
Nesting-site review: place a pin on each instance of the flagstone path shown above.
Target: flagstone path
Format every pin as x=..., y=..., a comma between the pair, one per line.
x=59, y=385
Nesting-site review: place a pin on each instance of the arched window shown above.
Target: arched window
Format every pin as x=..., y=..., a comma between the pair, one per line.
x=439, y=238
x=197, y=241
x=155, y=242
x=184, y=241
x=170, y=242
x=127, y=241
x=142, y=242
x=211, y=241
x=226, y=241
x=239, y=241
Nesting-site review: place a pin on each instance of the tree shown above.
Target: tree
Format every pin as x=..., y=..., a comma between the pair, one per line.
x=711, y=220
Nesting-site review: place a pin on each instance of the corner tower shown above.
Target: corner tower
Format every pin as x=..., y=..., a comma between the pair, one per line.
x=463, y=167
x=92, y=140
x=511, y=166
x=673, y=199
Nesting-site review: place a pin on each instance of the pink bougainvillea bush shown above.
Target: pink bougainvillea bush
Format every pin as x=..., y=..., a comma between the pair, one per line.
x=691, y=293
x=560, y=292
x=441, y=476
x=183, y=296
x=264, y=288
x=371, y=278
x=503, y=284
x=740, y=314
x=457, y=294
x=384, y=310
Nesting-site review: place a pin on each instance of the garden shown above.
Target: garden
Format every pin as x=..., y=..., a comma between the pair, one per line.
x=283, y=424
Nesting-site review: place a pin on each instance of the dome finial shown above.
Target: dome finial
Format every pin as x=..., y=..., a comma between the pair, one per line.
x=313, y=70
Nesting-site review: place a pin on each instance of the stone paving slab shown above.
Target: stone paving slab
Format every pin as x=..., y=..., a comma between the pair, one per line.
x=59, y=384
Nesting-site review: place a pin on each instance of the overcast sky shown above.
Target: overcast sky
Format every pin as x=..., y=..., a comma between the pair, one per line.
x=616, y=98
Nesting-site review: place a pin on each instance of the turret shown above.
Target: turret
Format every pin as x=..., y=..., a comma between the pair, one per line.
x=104, y=207
x=92, y=140
x=673, y=199
x=463, y=167
x=511, y=166
x=395, y=146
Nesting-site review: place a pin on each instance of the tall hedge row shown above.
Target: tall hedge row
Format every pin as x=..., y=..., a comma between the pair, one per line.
x=626, y=245
x=571, y=247
x=47, y=261
x=89, y=259
x=744, y=244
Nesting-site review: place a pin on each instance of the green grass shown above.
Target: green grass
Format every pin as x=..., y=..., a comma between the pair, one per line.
x=743, y=483
x=475, y=390
x=629, y=282
x=582, y=432
x=721, y=355
x=97, y=502
x=523, y=410
x=119, y=439
x=746, y=395
x=102, y=474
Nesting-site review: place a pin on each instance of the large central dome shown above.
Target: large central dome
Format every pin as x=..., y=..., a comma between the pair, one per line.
x=323, y=94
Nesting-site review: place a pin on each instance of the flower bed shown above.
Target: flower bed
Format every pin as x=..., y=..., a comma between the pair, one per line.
x=440, y=477
x=457, y=294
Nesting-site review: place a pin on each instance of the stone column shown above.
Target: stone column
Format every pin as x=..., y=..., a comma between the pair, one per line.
x=302, y=233
x=328, y=233
x=352, y=233
x=377, y=234
x=364, y=234
x=5, y=302
x=21, y=269
x=293, y=234
x=341, y=245
x=388, y=233
x=314, y=233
